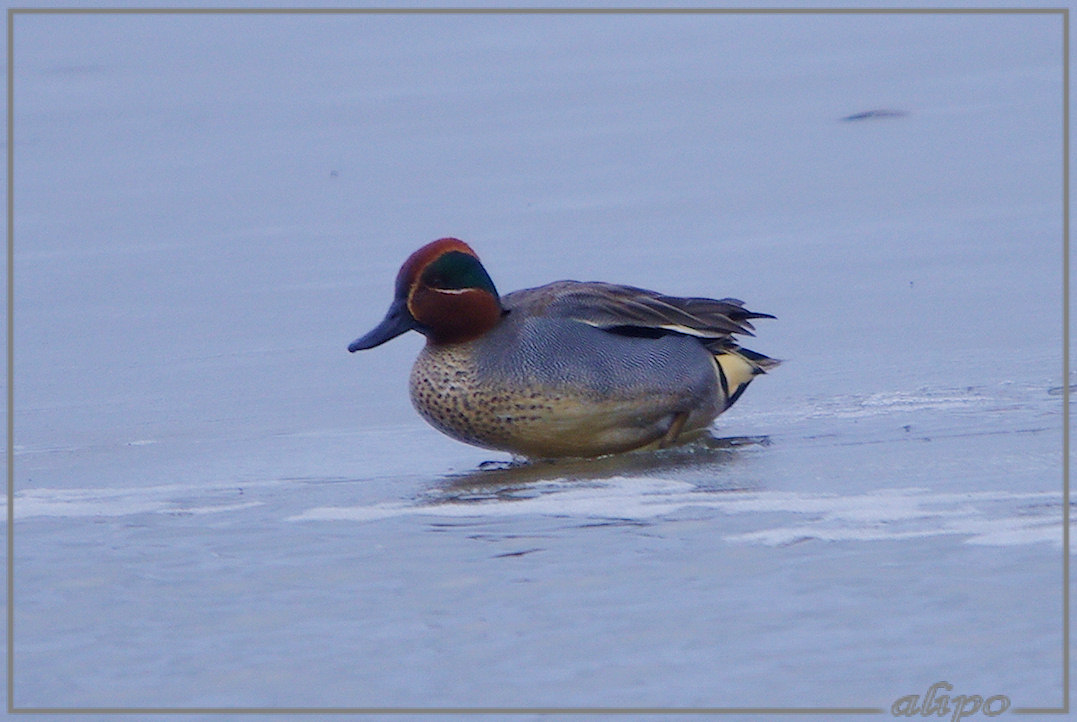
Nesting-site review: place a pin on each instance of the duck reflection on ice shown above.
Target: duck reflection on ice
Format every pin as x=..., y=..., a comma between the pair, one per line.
x=521, y=479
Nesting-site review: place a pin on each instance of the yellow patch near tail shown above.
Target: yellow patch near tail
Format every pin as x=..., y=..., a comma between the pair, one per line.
x=735, y=372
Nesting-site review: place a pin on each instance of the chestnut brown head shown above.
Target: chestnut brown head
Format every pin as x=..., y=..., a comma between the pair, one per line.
x=443, y=292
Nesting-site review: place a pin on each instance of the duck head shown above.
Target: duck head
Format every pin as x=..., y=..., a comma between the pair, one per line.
x=443, y=292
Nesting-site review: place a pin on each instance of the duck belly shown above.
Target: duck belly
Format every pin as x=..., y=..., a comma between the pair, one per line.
x=530, y=406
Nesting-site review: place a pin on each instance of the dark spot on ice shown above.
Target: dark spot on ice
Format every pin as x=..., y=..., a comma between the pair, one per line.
x=876, y=114
x=613, y=522
x=798, y=540
x=516, y=554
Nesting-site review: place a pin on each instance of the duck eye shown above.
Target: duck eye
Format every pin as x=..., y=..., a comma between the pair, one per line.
x=438, y=280
x=441, y=278
x=432, y=278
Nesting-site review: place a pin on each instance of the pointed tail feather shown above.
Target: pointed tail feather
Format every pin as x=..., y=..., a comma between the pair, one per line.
x=737, y=367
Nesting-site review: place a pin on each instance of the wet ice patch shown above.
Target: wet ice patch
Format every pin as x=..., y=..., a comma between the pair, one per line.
x=988, y=517
x=992, y=518
x=770, y=518
x=113, y=502
x=620, y=498
x=938, y=402
x=888, y=402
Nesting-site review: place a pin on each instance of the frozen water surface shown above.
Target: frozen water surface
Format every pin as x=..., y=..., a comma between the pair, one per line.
x=217, y=505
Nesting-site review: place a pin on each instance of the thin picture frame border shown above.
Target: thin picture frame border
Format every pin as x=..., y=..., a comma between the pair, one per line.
x=13, y=13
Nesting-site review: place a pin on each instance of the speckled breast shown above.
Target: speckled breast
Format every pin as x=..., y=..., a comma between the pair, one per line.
x=448, y=390
x=541, y=388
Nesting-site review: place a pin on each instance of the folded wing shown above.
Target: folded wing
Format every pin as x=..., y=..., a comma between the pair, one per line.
x=638, y=312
